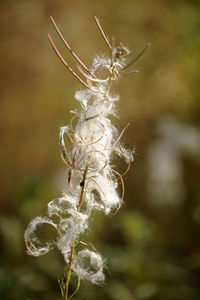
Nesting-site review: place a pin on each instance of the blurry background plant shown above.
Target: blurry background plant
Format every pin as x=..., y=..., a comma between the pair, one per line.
x=153, y=244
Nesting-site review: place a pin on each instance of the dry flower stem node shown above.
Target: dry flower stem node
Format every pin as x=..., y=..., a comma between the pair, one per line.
x=87, y=145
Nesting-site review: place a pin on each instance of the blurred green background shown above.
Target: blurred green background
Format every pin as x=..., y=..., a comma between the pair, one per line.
x=152, y=246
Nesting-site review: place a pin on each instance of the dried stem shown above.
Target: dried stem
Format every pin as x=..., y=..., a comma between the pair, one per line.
x=68, y=274
x=71, y=258
x=137, y=57
x=82, y=184
x=102, y=32
x=69, y=47
x=65, y=63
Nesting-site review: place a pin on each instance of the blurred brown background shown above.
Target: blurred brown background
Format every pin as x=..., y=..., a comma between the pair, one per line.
x=152, y=245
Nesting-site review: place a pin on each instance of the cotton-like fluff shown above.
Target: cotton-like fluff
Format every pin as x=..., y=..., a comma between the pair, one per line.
x=89, y=266
x=87, y=144
x=35, y=246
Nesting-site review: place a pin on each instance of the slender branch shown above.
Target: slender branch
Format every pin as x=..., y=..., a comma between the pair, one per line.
x=71, y=258
x=130, y=72
x=102, y=32
x=82, y=184
x=68, y=275
x=65, y=63
x=138, y=56
x=69, y=47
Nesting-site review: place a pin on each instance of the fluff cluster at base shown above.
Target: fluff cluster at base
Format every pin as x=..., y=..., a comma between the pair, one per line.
x=88, y=142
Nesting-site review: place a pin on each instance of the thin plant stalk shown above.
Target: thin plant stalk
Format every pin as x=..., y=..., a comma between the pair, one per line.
x=73, y=245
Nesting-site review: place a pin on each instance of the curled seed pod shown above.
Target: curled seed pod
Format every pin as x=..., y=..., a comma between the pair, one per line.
x=89, y=265
x=35, y=245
